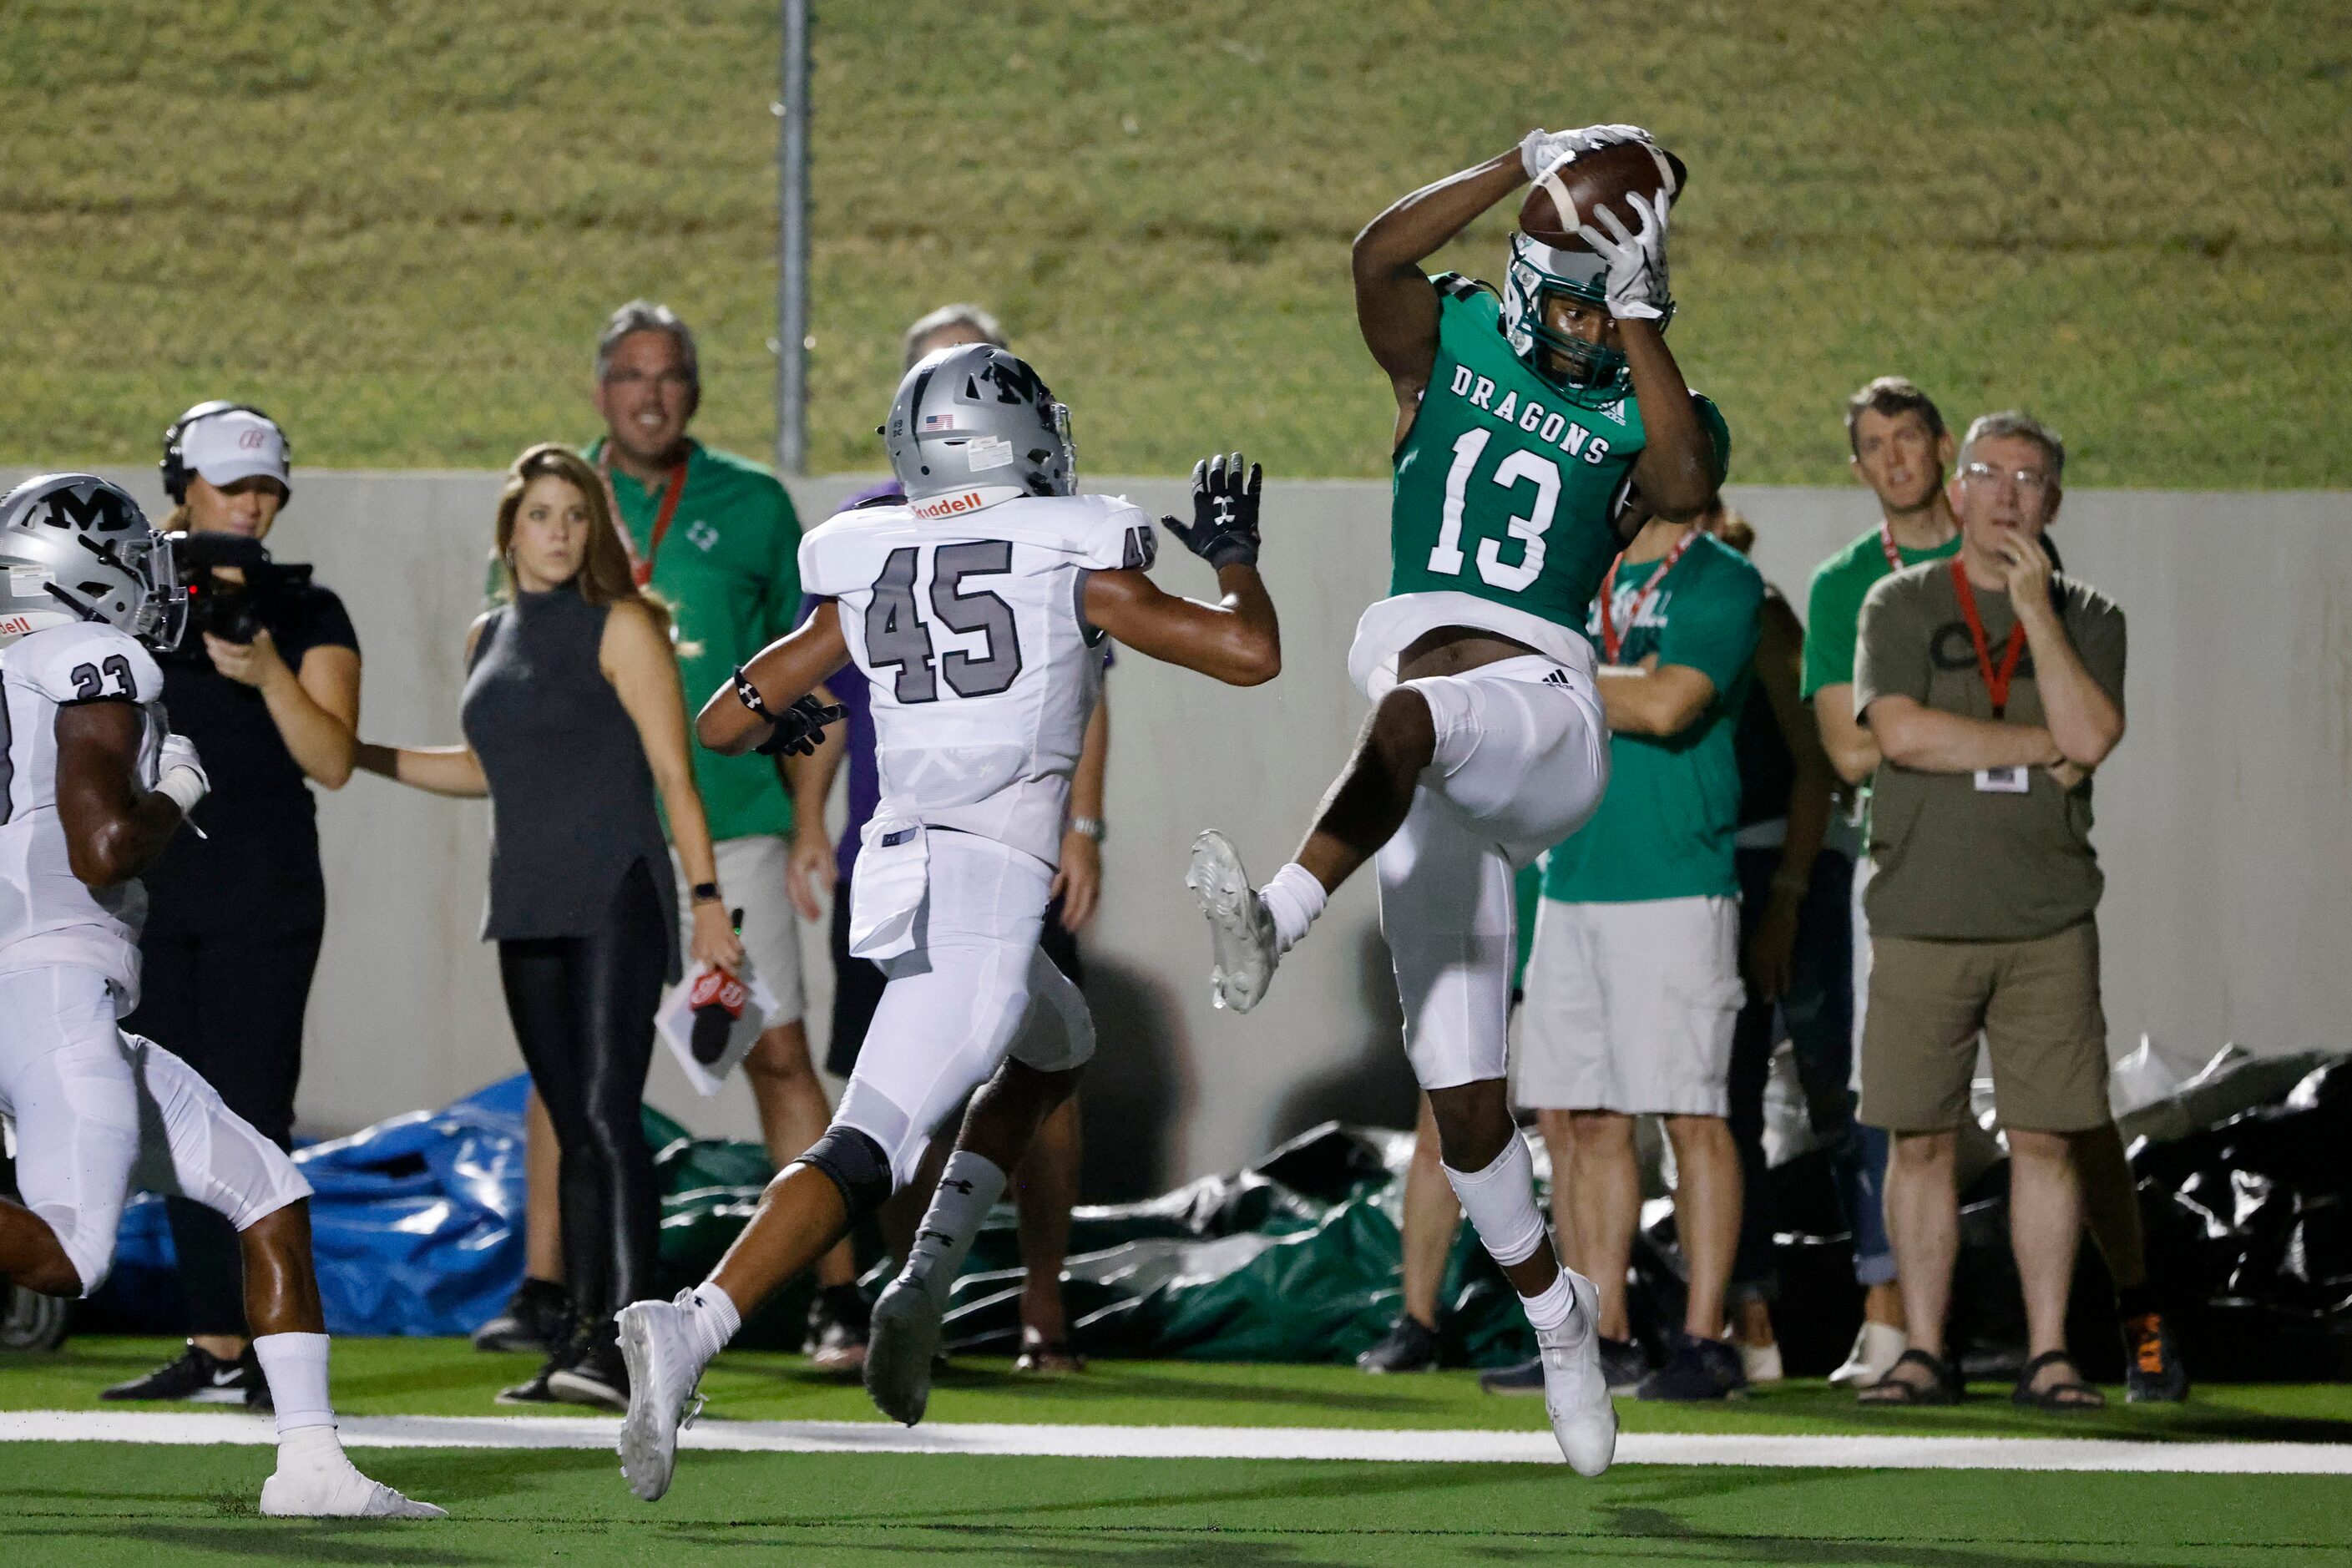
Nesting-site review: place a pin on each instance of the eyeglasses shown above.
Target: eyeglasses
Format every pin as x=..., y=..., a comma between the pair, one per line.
x=638, y=378
x=2029, y=482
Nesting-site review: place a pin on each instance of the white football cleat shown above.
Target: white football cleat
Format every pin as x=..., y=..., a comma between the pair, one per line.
x=901, y=1347
x=1241, y=932
x=665, y=1364
x=1576, y=1393
x=1876, y=1349
x=331, y=1490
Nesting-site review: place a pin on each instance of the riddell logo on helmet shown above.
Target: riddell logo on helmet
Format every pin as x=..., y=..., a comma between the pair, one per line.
x=949, y=505
x=16, y=626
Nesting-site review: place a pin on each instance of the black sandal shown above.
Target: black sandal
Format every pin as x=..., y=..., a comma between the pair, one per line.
x=1946, y=1388
x=2065, y=1394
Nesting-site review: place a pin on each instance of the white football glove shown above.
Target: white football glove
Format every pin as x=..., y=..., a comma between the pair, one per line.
x=1542, y=149
x=180, y=774
x=1636, y=258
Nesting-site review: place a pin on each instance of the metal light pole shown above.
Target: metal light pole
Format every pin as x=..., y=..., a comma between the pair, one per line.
x=792, y=246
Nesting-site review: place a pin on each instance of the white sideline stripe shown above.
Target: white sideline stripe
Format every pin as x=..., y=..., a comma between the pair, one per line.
x=1211, y=1443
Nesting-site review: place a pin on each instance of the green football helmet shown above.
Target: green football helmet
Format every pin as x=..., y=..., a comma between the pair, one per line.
x=1589, y=375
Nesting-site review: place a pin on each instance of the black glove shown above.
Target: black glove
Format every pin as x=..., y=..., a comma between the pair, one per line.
x=1223, y=530
x=798, y=728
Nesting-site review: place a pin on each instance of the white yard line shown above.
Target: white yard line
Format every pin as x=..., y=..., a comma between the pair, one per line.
x=1211, y=1443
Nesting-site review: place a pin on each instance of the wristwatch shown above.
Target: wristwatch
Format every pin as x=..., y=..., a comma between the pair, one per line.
x=706, y=893
x=1092, y=827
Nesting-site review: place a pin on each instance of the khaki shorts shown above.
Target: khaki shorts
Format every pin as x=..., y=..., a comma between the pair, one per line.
x=752, y=875
x=1630, y=1007
x=2037, y=1003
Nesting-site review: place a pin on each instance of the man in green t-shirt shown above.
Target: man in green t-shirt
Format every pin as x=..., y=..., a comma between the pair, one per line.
x=1634, y=984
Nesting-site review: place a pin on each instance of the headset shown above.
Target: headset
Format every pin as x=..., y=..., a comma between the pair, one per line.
x=174, y=466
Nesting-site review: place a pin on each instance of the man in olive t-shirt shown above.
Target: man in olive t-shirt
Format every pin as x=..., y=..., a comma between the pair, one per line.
x=1633, y=986
x=1993, y=689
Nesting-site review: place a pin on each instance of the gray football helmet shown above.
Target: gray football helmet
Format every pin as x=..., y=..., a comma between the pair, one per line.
x=75, y=548
x=972, y=424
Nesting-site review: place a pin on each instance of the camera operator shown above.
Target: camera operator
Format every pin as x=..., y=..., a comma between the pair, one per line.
x=267, y=684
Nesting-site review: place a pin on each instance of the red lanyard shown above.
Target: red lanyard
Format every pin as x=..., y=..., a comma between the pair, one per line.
x=1995, y=682
x=644, y=570
x=1610, y=638
x=1886, y=543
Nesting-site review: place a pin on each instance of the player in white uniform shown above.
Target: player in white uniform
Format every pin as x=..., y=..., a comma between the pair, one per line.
x=974, y=610
x=93, y=786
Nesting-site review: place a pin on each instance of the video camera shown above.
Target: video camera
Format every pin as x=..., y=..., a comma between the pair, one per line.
x=234, y=609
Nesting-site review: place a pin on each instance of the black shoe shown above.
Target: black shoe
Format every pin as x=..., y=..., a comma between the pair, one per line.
x=536, y=1389
x=1411, y=1346
x=257, y=1397
x=599, y=1377
x=199, y=1376
x=1697, y=1369
x=1519, y=1377
x=839, y=1319
x=537, y=1318
x=2154, y=1372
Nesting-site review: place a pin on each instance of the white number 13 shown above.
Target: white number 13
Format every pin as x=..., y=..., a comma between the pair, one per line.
x=1446, y=560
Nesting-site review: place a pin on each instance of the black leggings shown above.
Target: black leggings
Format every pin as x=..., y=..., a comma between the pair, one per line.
x=583, y=1008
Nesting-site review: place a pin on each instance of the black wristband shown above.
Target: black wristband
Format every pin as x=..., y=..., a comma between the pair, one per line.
x=748, y=695
x=706, y=893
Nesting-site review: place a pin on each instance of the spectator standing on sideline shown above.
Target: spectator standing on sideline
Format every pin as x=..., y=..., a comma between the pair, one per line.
x=1045, y=1184
x=1633, y=986
x=1993, y=689
x=236, y=917
x=716, y=537
x=1796, y=950
x=1899, y=447
x=574, y=715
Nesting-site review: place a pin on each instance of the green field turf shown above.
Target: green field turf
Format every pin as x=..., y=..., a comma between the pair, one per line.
x=396, y=226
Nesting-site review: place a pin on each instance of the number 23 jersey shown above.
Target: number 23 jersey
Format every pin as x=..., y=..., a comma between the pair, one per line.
x=971, y=633
x=47, y=915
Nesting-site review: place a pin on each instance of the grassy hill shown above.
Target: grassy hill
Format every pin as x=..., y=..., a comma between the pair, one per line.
x=397, y=223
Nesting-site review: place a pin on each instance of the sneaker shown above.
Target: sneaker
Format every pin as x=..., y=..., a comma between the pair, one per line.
x=325, y=1489
x=663, y=1365
x=901, y=1352
x=837, y=1327
x=1697, y=1369
x=1576, y=1392
x=1876, y=1349
x=1761, y=1363
x=2154, y=1372
x=200, y=1377
x=599, y=1376
x=1411, y=1345
x=538, y=1317
x=1241, y=933
x=1519, y=1377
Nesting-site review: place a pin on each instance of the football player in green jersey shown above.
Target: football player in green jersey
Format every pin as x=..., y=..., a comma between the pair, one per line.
x=1523, y=424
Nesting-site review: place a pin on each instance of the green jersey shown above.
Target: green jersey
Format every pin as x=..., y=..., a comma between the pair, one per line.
x=1833, y=603
x=1503, y=489
x=1667, y=824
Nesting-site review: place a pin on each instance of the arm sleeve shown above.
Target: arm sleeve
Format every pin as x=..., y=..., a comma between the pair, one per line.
x=1830, y=635
x=1719, y=642
x=784, y=595
x=1889, y=661
x=86, y=664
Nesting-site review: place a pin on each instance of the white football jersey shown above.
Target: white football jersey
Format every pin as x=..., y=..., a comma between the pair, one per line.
x=969, y=629
x=47, y=915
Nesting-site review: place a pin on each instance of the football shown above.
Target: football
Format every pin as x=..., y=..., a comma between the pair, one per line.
x=1569, y=194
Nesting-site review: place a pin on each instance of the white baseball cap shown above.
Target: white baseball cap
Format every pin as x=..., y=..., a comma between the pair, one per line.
x=237, y=445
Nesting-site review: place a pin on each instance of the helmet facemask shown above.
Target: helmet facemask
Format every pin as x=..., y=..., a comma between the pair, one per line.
x=1588, y=373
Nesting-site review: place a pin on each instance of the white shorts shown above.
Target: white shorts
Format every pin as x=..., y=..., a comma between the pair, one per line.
x=1630, y=1007
x=753, y=876
x=99, y=1112
x=974, y=989
x=1522, y=760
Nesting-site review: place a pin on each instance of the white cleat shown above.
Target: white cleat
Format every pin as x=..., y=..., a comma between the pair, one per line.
x=1875, y=1350
x=664, y=1365
x=329, y=1490
x=1576, y=1392
x=1241, y=933
x=902, y=1344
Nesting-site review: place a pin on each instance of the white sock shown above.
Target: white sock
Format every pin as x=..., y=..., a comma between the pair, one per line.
x=309, y=1448
x=1294, y=898
x=712, y=1318
x=968, y=1189
x=1501, y=1202
x=296, y=1368
x=1551, y=1308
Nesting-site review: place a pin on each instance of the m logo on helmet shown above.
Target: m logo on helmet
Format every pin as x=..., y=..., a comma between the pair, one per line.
x=96, y=512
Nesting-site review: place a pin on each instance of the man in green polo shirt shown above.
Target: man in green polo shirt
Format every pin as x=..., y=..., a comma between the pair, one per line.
x=1634, y=984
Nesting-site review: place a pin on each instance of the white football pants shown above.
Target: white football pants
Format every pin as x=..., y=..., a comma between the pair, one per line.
x=99, y=1112
x=974, y=989
x=1522, y=760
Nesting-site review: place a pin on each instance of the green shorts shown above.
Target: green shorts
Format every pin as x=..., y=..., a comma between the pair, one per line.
x=2037, y=1006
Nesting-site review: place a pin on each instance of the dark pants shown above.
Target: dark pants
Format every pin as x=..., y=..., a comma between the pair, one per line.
x=1818, y=1011
x=583, y=1009
x=229, y=1002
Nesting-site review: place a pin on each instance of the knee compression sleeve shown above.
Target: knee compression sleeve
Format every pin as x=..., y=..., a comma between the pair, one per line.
x=854, y=1164
x=1501, y=1202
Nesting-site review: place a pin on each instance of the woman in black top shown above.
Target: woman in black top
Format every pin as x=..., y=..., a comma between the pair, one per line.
x=573, y=714
x=235, y=917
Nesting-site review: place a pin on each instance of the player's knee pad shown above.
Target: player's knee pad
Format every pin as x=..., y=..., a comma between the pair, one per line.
x=193, y=1146
x=855, y=1164
x=1057, y=1033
